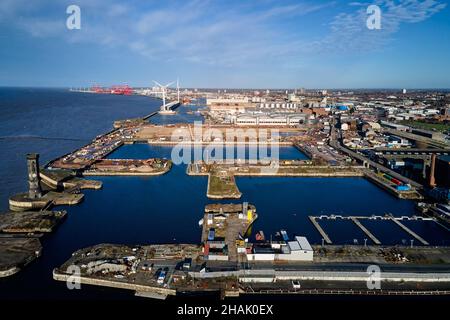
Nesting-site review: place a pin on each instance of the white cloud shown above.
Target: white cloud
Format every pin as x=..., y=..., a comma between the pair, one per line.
x=215, y=33
x=349, y=31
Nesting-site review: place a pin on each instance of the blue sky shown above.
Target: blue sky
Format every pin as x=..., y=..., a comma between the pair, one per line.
x=211, y=43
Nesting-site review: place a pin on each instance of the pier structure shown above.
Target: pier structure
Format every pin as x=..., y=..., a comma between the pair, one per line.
x=411, y=193
x=169, y=108
x=222, y=182
x=408, y=230
x=322, y=232
x=224, y=227
x=44, y=195
x=17, y=251
x=65, y=180
x=366, y=231
x=90, y=160
x=128, y=167
x=30, y=222
x=321, y=164
x=387, y=217
x=157, y=271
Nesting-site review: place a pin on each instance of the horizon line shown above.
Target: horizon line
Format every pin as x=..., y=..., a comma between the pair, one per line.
x=243, y=88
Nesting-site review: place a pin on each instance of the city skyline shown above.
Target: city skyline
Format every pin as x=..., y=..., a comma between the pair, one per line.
x=264, y=44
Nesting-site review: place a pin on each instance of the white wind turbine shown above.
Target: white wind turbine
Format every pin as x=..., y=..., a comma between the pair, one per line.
x=163, y=89
x=178, y=90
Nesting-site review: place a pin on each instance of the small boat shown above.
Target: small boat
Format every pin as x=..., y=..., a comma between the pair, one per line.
x=200, y=222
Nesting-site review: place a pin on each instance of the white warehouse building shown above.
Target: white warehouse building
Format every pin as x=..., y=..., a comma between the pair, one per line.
x=296, y=250
x=275, y=119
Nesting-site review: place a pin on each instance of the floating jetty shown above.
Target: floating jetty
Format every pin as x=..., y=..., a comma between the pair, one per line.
x=408, y=230
x=365, y=230
x=387, y=217
x=322, y=232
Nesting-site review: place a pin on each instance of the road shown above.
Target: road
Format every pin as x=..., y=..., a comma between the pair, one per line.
x=335, y=143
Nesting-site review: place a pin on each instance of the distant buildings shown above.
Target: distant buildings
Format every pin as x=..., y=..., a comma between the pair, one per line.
x=279, y=105
x=428, y=134
x=272, y=119
x=394, y=126
x=231, y=105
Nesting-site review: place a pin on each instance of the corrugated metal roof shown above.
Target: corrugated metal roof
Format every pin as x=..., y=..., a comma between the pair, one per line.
x=304, y=243
x=294, y=245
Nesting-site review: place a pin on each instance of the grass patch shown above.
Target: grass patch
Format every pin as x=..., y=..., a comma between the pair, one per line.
x=438, y=126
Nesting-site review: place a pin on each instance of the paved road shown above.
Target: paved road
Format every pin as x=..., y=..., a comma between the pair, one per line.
x=338, y=145
x=356, y=267
x=348, y=272
x=332, y=267
x=412, y=151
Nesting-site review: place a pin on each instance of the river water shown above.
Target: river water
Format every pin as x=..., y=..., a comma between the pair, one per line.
x=160, y=209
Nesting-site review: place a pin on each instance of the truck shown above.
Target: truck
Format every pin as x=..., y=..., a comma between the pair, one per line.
x=161, y=277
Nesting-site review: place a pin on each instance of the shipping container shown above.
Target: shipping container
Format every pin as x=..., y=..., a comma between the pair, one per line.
x=206, y=250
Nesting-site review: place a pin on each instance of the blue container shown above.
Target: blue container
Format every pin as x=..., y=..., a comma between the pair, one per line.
x=403, y=188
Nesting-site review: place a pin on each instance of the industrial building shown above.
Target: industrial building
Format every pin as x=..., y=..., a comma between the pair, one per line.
x=394, y=126
x=280, y=105
x=428, y=134
x=295, y=250
x=274, y=119
x=231, y=105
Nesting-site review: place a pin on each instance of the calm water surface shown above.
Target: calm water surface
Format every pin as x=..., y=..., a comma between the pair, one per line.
x=161, y=209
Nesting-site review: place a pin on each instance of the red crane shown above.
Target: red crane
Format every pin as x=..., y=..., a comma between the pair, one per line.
x=122, y=90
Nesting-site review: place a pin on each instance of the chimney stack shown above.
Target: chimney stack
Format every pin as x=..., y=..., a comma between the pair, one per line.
x=432, y=169
x=34, y=190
